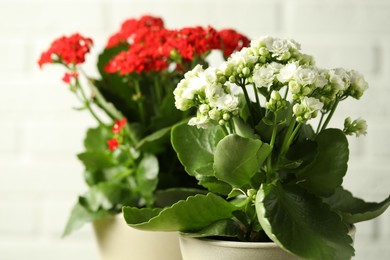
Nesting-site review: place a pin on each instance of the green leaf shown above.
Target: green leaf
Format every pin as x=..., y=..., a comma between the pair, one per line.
x=165, y=198
x=243, y=129
x=153, y=143
x=80, y=215
x=97, y=160
x=353, y=209
x=96, y=139
x=214, y=185
x=189, y=215
x=147, y=177
x=108, y=196
x=195, y=148
x=326, y=171
x=301, y=223
x=221, y=228
x=117, y=173
x=237, y=159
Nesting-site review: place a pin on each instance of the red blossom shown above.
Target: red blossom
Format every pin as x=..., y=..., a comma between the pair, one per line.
x=118, y=125
x=69, y=50
x=69, y=75
x=150, y=45
x=134, y=30
x=112, y=144
x=192, y=41
x=231, y=40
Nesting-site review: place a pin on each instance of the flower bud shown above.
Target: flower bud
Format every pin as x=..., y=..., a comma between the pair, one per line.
x=356, y=127
x=226, y=116
x=246, y=71
x=204, y=108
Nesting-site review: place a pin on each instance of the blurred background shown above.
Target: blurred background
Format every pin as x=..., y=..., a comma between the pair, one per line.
x=40, y=133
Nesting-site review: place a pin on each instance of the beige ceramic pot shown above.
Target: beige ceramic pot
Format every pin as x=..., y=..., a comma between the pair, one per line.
x=208, y=249
x=117, y=241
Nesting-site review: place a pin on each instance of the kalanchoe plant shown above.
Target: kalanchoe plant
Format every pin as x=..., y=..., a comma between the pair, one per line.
x=261, y=145
x=128, y=158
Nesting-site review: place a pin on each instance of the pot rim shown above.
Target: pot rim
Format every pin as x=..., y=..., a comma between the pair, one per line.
x=225, y=243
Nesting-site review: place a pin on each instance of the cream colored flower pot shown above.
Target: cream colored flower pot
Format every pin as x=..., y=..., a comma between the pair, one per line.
x=117, y=241
x=208, y=249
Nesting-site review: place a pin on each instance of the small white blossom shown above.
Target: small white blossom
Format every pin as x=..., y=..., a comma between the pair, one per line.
x=287, y=72
x=305, y=76
x=356, y=127
x=243, y=57
x=358, y=84
x=278, y=47
x=321, y=80
x=339, y=79
x=263, y=76
x=200, y=121
x=307, y=109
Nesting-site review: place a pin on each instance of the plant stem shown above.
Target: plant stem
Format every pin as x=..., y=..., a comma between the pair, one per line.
x=231, y=126
x=330, y=114
x=157, y=88
x=256, y=95
x=292, y=137
x=87, y=103
x=248, y=101
x=224, y=128
x=139, y=102
x=272, y=143
x=285, y=94
x=287, y=137
x=319, y=123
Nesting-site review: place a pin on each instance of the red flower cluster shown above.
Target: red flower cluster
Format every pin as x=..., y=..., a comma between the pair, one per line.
x=232, y=41
x=193, y=41
x=133, y=30
x=116, y=129
x=69, y=50
x=151, y=45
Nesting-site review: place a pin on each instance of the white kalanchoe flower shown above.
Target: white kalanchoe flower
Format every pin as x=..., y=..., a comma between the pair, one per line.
x=287, y=72
x=307, y=109
x=278, y=48
x=356, y=127
x=358, y=84
x=263, y=76
x=339, y=79
x=305, y=76
x=194, y=82
x=200, y=121
x=321, y=80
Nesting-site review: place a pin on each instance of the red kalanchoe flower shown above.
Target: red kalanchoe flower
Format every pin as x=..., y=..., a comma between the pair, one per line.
x=192, y=41
x=133, y=30
x=231, y=40
x=112, y=144
x=118, y=126
x=69, y=50
x=69, y=76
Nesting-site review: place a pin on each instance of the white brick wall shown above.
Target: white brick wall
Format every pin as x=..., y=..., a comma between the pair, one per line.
x=40, y=134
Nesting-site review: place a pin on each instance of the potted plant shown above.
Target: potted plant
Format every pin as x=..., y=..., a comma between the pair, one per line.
x=261, y=145
x=128, y=158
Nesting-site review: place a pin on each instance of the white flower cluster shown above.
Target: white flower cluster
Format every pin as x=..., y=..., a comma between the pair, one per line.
x=215, y=101
x=269, y=64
